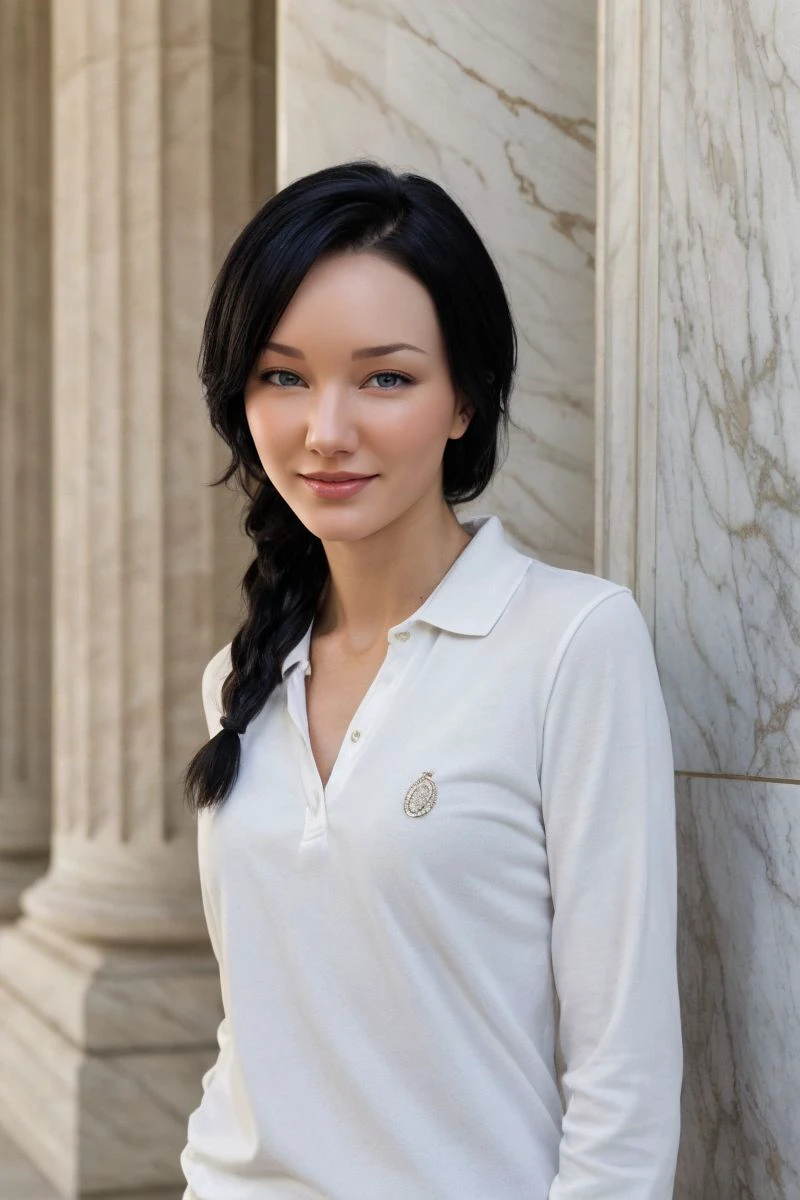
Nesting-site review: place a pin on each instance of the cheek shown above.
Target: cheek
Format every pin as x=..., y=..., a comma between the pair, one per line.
x=253, y=417
x=420, y=430
x=268, y=430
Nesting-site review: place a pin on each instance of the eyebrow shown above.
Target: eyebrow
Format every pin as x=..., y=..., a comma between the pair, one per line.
x=366, y=352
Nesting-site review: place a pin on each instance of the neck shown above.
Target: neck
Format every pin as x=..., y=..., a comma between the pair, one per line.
x=378, y=581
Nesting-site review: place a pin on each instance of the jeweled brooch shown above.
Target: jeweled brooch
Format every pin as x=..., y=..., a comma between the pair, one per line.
x=421, y=796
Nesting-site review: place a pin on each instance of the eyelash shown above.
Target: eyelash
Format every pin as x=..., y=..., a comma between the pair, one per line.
x=264, y=378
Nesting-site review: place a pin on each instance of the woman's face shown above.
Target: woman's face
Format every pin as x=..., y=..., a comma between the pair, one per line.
x=355, y=379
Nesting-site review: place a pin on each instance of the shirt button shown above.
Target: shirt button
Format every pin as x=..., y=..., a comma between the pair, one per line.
x=355, y=735
x=403, y=635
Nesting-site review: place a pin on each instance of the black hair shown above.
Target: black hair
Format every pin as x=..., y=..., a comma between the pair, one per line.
x=413, y=223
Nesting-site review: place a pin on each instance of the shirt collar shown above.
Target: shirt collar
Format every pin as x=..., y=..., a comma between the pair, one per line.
x=470, y=597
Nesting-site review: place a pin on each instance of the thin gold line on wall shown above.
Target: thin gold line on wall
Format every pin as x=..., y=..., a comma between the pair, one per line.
x=745, y=778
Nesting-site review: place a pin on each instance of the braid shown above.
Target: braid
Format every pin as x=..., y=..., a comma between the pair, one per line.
x=281, y=589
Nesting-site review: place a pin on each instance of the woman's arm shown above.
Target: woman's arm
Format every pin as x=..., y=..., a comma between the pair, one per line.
x=609, y=810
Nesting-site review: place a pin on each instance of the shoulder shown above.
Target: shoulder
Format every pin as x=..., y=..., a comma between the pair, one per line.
x=577, y=627
x=215, y=673
x=592, y=638
x=557, y=602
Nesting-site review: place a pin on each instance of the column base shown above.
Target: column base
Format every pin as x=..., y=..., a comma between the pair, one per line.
x=101, y=1059
x=17, y=874
x=120, y=894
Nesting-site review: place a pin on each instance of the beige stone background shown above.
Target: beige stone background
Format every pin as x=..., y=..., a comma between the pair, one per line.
x=634, y=169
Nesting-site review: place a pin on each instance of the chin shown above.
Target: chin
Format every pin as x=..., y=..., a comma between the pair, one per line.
x=342, y=527
x=340, y=524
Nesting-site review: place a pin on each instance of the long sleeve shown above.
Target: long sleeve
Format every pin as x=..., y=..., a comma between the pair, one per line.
x=215, y=673
x=213, y=677
x=608, y=802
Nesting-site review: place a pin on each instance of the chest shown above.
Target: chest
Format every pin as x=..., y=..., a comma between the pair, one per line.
x=334, y=691
x=449, y=718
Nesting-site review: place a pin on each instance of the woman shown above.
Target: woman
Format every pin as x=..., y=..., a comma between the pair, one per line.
x=436, y=813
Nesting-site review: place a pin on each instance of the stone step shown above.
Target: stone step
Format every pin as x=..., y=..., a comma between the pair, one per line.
x=19, y=1180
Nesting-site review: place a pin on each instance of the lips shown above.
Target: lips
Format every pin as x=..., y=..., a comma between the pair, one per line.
x=323, y=478
x=337, y=489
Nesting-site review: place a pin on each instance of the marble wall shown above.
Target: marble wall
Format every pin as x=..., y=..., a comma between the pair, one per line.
x=727, y=616
x=729, y=444
x=739, y=856
x=497, y=103
x=699, y=422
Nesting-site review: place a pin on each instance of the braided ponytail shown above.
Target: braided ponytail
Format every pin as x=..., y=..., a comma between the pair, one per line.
x=281, y=589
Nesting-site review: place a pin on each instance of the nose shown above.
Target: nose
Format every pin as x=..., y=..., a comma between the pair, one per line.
x=331, y=429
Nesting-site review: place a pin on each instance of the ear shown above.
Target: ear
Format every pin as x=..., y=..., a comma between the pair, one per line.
x=461, y=419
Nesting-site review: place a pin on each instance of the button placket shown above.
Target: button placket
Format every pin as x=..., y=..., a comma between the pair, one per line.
x=385, y=678
x=384, y=685
x=365, y=719
x=315, y=813
x=314, y=825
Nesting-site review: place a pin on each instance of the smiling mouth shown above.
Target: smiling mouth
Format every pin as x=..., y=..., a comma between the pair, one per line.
x=332, y=489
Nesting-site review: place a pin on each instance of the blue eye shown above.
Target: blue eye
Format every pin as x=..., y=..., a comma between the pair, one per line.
x=390, y=375
x=264, y=377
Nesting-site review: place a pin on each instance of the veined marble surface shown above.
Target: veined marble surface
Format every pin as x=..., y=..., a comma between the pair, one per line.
x=739, y=939
x=728, y=537
x=497, y=103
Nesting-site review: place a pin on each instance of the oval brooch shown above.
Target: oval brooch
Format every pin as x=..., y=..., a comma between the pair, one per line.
x=421, y=796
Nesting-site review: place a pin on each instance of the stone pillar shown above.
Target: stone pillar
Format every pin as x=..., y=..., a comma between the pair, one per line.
x=109, y=996
x=24, y=447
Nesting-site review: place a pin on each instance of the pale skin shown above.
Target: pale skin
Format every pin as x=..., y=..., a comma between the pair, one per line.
x=315, y=401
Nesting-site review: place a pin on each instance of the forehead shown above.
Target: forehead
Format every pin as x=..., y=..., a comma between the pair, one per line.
x=359, y=295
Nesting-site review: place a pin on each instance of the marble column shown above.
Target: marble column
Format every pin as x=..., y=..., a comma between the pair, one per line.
x=25, y=498
x=109, y=996
x=699, y=499
x=497, y=103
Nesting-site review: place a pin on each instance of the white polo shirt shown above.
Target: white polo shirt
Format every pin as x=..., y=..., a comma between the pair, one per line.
x=496, y=841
